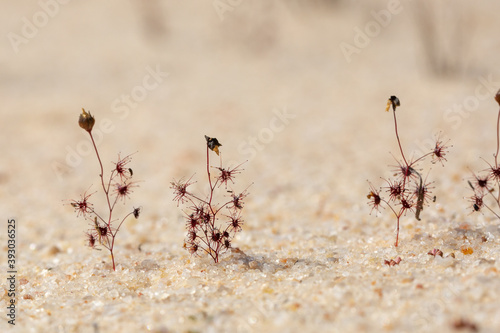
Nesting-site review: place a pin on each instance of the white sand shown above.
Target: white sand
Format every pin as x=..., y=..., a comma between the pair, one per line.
x=312, y=258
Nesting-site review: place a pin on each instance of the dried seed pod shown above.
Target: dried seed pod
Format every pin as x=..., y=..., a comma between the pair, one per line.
x=394, y=101
x=213, y=144
x=86, y=121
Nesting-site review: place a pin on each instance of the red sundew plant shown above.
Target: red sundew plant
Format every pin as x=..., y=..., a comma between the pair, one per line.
x=485, y=184
x=408, y=191
x=204, y=232
x=117, y=187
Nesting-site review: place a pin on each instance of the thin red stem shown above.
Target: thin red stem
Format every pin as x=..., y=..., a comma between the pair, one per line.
x=397, y=137
x=106, y=191
x=211, y=187
x=498, y=139
x=491, y=210
x=398, y=216
x=497, y=198
x=110, y=207
x=209, y=179
x=407, y=167
x=397, y=233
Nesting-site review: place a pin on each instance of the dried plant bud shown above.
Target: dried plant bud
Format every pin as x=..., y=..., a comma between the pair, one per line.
x=136, y=212
x=86, y=121
x=193, y=249
x=394, y=101
x=91, y=239
x=213, y=144
x=497, y=97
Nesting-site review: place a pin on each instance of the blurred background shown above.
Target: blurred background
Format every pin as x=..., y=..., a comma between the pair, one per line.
x=298, y=88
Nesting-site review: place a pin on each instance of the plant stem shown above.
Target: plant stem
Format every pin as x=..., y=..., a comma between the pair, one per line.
x=397, y=232
x=106, y=192
x=497, y=198
x=398, y=216
x=209, y=179
x=420, y=197
x=498, y=139
x=397, y=137
x=492, y=211
x=211, y=187
x=113, y=259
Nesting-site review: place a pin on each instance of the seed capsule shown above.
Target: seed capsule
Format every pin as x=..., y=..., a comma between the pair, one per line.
x=213, y=144
x=394, y=101
x=86, y=121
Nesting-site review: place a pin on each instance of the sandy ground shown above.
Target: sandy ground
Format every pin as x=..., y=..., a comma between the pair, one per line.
x=297, y=88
